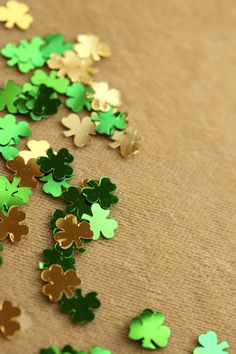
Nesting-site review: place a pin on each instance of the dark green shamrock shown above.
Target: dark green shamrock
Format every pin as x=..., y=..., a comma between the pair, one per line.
x=8, y=96
x=81, y=307
x=78, y=99
x=109, y=121
x=56, y=163
x=60, y=85
x=100, y=192
x=78, y=203
x=54, y=44
x=57, y=255
x=67, y=349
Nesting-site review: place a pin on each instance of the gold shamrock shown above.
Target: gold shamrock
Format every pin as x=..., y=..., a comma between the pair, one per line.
x=80, y=128
x=8, y=323
x=11, y=225
x=69, y=64
x=15, y=13
x=128, y=140
x=37, y=149
x=103, y=97
x=89, y=46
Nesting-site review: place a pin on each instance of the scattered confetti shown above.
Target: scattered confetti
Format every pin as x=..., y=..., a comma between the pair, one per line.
x=36, y=149
x=11, y=225
x=8, y=96
x=149, y=329
x=57, y=163
x=109, y=121
x=41, y=78
x=69, y=350
x=80, y=128
x=103, y=97
x=57, y=255
x=8, y=319
x=209, y=344
x=15, y=13
x=89, y=46
x=128, y=141
x=78, y=97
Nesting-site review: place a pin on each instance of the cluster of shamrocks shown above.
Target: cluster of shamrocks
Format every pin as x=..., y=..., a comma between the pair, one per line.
x=67, y=349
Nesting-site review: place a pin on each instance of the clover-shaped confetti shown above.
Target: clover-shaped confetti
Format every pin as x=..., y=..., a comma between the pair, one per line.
x=15, y=13
x=59, y=85
x=51, y=350
x=128, y=141
x=36, y=149
x=78, y=97
x=81, y=307
x=66, y=350
x=99, y=224
x=98, y=350
x=209, y=344
x=53, y=186
x=78, y=203
x=109, y=121
x=60, y=282
x=57, y=214
x=149, y=329
x=90, y=46
x=8, y=319
x=8, y=96
x=54, y=44
x=104, y=97
x=81, y=129
x=100, y=192
x=11, y=225
x=57, y=255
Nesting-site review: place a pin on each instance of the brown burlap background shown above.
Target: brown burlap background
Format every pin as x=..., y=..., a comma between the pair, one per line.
x=175, y=249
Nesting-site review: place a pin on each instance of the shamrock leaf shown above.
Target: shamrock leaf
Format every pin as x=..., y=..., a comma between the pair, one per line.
x=104, y=97
x=12, y=194
x=78, y=204
x=57, y=214
x=91, y=47
x=9, y=152
x=56, y=163
x=9, y=323
x=99, y=224
x=36, y=149
x=57, y=255
x=15, y=13
x=98, y=350
x=149, y=329
x=109, y=121
x=128, y=141
x=78, y=97
x=54, y=44
x=69, y=350
x=51, y=350
x=11, y=131
x=8, y=95
x=40, y=77
x=209, y=344
x=81, y=307
x=100, y=192
x=54, y=187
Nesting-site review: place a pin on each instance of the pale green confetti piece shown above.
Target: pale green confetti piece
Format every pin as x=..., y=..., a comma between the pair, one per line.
x=209, y=344
x=53, y=186
x=9, y=152
x=78, y=99
x=11, y=194
x=55, y=44
x=58, y=84
x=10, y=130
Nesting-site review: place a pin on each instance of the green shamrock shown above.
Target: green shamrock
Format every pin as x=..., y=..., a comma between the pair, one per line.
x=109, y=121
x=1, y=249
x=209, y=344
x=100, y=192
x=99, y=223
x=81, y=307
x=54, y=187
x=149, y=329
x=57, y=255
x=11, y=194
x=8, y=95
x=56, y=163
x=51, y=350
x=54, y=44
x=98, y=350
x=11, y=131
x=78, y=203
x=60, y=85
x=78, y=99
x=69, y=350
x=57, y=214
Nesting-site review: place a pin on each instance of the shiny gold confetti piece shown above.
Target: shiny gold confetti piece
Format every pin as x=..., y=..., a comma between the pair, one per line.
x=90, y=46
x=15, y=13
x=11, y=225
x=59, y=282
x=103, y=97
x=128, y=140
x=26, y=171
x=70, y=65
x=37, y=149
x=80, y=128
x=8, y=323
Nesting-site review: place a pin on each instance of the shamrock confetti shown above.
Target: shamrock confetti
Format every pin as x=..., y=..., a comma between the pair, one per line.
x=36, y=149
x=8, y=96
x=209, y=344
x=53, y=186
x=57, y=214
x=54, y=44
x=99, y=224
x=69, y=350
x=80, y=128
x=100, y=192
x=59, y=85
x=109, y=121
x=57, y=255
x=8, y=323
x=10, y=225
x=103, y=97
x=90, y=47
x=57, y=163
x=15, y=13
x=72, y=232
x=128, y=141
x=78, y=97
x=149, y=329
x=78, y=204
x=81, y=307
x=60, y=282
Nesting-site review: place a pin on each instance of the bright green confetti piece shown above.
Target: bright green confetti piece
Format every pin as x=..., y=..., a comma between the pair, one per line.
x=98, y=350
x=57, y=255
x=58, y=84
x=100, y=192
x=99, y=223
x=51, y=350
x=81, y=307
x=11, y=131
x=54, y=187
x=9, y=152
x=8, y=95
x=109, y=121
x=78, y=203
x=54, y=44
x=57, y=163
x=209, y=344
x=11, y=194
x=149, y=329
x=78, y=99
x=1, y=249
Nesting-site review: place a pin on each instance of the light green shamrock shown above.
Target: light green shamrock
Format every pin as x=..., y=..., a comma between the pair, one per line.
x=53, y=186
x=98, y=350
x=11, y=194
x=58, y=84
x=99, y=223
x=209, y=344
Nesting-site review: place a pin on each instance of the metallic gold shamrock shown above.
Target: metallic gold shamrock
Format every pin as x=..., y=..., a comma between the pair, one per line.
x=15, y=13
x=103, y=97
x=128, y=140
x=8, y=323
x=70, y=65
x=36, y=149
x=90, y=47
x=10, y=225
x=80, y=128
x=59, y=282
